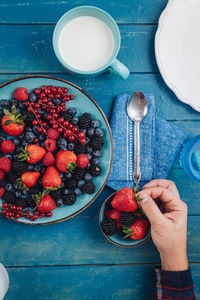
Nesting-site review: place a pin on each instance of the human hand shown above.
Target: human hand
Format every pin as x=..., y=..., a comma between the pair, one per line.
x=167, y=214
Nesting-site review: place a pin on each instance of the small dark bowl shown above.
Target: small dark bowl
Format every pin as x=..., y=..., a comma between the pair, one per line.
x=117, y=238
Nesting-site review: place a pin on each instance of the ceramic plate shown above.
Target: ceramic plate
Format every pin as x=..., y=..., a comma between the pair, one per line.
x=83, y=103
x=177, y=46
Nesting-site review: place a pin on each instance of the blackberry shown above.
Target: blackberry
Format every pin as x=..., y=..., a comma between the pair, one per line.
x=20, y=202
x=127, y=218
x=3, y=182
x=67, y=116
x=80, y=148
x=109, y=226
x=69, y=199
x=56, y=194
x=89, y=187
x=95, y=170
x=19, y=166
x=34, y=190
x=11, y=176
x=29, y=119
x=85, y=121
x=78, y=174
x=71, y=184
x=97, y=143
x=29, y=202
x=9, y=197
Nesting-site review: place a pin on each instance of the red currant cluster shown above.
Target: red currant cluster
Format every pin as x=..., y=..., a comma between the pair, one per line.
x=57, y=121
x=13, y=211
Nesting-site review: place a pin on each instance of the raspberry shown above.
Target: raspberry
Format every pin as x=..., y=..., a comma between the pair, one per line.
x=108, y=226
x=2, y=191
x=69, y=199
x=1, y=174
x=85, y=121
x=52, y=133
x=50, y=145
x=5, y=164
x=82, y=161
x=89, y=187
x=7, y=146
x=21, y=94
x=49, y=159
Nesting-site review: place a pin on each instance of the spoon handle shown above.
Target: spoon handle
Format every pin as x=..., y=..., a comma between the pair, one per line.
x=137, y=172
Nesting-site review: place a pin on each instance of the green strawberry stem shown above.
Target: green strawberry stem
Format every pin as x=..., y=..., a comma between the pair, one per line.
x=14, y=117
x=128, y=231
x=71, y=166
x=21, y=185
x=24, y=155
x=37, y=197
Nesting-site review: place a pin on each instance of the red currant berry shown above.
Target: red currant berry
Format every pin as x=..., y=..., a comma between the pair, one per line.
x=49, y=117
x=54, y=90
x=51, y=96
x=28, y=216
x=64, y=90
x=70, y=126
x=55, y=126
x=37, y=105
x=59, y=90
x=81, y=134
x=27, y=211
x=49, y=214
x=35, y=111
x=4, y=212
x=9, y=214
x=35, y=122
x=67, y=132
x=75, y=129
x=58, y=109
x=71, y=138
x=83, y=141
x=48, y=109
x=44, y=87
x=26, y=103
x=41, y=215
x=36, y=217
x=5, y=205
x=55, y=116
x=50, y=104
x=19, y=208
x=42, y=95
x=36, y=213
x=17, y=216
x=29, y=108
x=53, y=111
x=45, y=101
x=60, y=129
x=38, y=116
x=63, y=104
x=32, y=219
x=40, y=101
x=57, y=96
x=61, y=120
x=44, y=124
x=48, y=91
x=39, y=129
x=37, y=91
x=66, y=123
x=71, y=97
x=52, y=122
x=32, y=104
x=66, y=98
x=13, y=207
x=35, y=140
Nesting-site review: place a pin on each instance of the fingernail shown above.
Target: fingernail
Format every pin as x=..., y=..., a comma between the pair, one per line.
x=144, y=198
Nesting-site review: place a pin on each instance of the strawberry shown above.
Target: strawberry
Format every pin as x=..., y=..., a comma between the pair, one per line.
x=32, y=153
x=7, y=146
x=50, y=145
x=51, y=178
x=138, y=230
x=49, y=159
x=46, y=204
x=21, y=94
x=1, y=174
x=5, y=164
x=52, y=133
x=2, y=191
x=66, y=161
x=82, y=161
x=12, y=123
x=29, y=179
x=125, y=200
x=113, y=214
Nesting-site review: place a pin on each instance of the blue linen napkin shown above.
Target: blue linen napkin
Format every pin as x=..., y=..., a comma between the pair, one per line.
x=160, y=140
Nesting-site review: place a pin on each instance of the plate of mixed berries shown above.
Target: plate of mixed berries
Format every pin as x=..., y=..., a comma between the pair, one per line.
x=122, y=221
x=55, y=150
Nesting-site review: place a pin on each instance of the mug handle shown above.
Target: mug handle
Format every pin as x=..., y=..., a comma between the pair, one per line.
x=118, y=69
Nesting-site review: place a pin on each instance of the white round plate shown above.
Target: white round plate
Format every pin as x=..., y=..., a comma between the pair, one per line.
x=177, y=47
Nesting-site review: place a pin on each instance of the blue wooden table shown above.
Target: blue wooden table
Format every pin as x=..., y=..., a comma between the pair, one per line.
x=72, y=260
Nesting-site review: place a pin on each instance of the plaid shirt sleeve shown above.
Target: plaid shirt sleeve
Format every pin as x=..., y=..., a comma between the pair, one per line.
x=172, y=285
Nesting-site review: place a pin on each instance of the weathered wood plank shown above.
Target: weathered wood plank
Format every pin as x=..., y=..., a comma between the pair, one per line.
x=31, y=50
x=105, y=87
x=77, y=241
x=89, y=282
x=36, y=11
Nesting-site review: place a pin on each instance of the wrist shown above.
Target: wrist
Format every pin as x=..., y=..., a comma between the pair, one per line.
x=174, y=262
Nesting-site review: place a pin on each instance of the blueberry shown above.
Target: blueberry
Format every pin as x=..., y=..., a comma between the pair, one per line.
x=89, y=150
x=72, y=111
x=15, y=186
x=32, y=97
x=21, y=136
x=28, y=129
x=4, y=103
x=87, y=140
x=56, y=101
x=68, y=175
x=18, y=150
x=77, y=191
x=75, y=120
x=23, y=143
x=88, y=166
x=71, y=146
x=18, y=111
x=29, y=137
x=42, y=145
x=84, y=130
x=40, y=182
x=35, y=129
x=15, y=102
x=37, y=168
x=89, y=155
x=96, y=161
x=2, y=138
x=97, y=153
x=81, y=183
x=18, y=193
x=66, y=191
x=88, y=177
x=95, y=123
x=41, y=137
x=62, y=144
x=20, y=105
x=90, y=132
x=24, y=193
x=8, y=156
x=40, y=111
x=43, y=170
x=61, y=175
x=99, y=132
x=29, y=167
x=8, y=187
x=59, y=203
